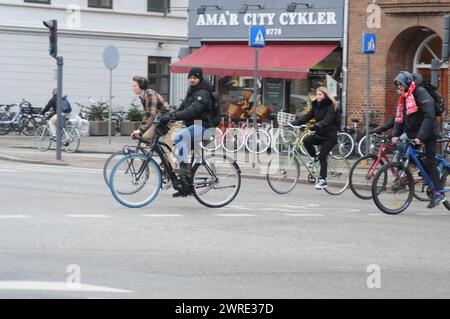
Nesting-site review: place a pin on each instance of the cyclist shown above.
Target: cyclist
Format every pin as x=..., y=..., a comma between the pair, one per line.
x=51, y=106
x=416, y=116
x=323, y=110
x=195, y=111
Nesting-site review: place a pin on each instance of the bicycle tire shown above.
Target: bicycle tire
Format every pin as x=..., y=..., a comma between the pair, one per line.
x=301, y=145
x=339, y=176
x=374, y=147
x=287, y=163
x=343, y=141
x=376, y=192
x=265, y=141
x=204, y=183
x=353, y=185
x=106, y=166
x=120, y=196
x=283, y=141
x=72, y=136
x=42, y=138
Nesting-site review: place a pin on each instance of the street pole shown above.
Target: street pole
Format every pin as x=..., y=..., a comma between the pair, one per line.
x=110, y=106
x=255, y=105
x=368, y=106
x=60, y=63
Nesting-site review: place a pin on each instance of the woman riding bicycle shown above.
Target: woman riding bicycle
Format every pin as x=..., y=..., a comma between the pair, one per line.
x=326, y=127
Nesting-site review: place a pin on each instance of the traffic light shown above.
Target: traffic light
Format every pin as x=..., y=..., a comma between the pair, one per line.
x=446, y=40
x=52, y=25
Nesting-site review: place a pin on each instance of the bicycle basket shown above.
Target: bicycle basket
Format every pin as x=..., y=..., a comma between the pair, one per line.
x=285, y=118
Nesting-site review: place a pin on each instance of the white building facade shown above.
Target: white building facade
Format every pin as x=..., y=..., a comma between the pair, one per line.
x=148, y=34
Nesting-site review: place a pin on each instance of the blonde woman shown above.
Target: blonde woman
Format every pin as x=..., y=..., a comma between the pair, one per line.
x=323, y=110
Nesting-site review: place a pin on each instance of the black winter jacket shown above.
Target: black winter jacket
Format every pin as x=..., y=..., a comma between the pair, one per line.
x=325, y=114
x=422, y=124
x=197, y=105
x=51, y=106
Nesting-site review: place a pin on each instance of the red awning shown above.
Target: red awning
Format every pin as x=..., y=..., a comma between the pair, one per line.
x=276, y=60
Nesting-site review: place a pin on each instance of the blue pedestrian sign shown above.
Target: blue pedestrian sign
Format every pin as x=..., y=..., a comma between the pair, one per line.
x=257, y=37
x=369, y=43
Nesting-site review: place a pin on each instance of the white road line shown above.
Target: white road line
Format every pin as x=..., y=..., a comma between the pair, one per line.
x=7, y=170
x=56, y=286
x=161, y=215
x=304, y=215
x=377, y=214
x=234, y=215
x=87, y=216
x=13, y=216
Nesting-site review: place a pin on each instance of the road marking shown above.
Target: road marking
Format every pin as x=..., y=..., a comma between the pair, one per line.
x=56, y=286
x=377, y=214
x=13, y=216
x=304, y=215
x=7, y=170
x=234, y=215
x=88, y=216
x=161, y=215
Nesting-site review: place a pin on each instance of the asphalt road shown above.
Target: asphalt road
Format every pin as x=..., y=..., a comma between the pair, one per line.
x=62, y=235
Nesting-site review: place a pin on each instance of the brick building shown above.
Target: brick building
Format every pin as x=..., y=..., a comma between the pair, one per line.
x=409, y=35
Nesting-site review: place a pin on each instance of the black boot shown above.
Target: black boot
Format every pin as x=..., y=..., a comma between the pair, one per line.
x=185, y=175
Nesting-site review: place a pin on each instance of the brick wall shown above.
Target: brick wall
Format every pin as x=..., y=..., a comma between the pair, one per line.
x=401, y=33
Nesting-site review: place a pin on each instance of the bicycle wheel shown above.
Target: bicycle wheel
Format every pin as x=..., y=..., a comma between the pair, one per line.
x=42, y=138
x=374, y=146
x=283, y=173
x=216, y=181
x=28, y=126
x=345, y=145
x=212, y=140
x=71, y=140
x=445, y=185
x=284, y=140
x=393, y=188
x=109, y=164
x=257, y=144
x=362, y=174
x=135, y=180
x=338, y=177
x=233, y=140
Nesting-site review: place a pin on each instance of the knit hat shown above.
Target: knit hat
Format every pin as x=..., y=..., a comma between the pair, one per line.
x=196, y=72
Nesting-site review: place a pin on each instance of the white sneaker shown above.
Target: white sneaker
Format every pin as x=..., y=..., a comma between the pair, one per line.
x=321, y=184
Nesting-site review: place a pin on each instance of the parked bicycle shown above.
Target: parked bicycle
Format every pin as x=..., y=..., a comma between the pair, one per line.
x=393, y=186
x=23, y=122
x=137, y=179
x=284, y=169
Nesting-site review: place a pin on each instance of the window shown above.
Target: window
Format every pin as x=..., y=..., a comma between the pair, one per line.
x=38, y=1
x=159, y=5
x=158, y=75
x=104, y=4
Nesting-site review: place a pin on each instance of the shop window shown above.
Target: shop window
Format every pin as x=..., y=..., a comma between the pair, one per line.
x=103, y=4
x=158, y=75
x=38, y=1
x=158, y=5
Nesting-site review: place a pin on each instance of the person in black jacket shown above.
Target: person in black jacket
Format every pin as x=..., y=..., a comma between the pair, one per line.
x=326, y=127
x=386, y=127
x=196, y=112
x=416, y=116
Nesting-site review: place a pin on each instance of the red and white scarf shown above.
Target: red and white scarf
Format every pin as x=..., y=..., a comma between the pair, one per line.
x=411, y=105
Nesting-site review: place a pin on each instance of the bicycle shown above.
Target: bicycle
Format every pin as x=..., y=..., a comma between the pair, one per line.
x=393, y=185
x=137, y=179
x=23, y=122
x=366, y=167
x=283, y=171
x=70, y=137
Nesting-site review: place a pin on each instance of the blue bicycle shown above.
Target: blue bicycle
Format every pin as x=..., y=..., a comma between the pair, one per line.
x=393, y=185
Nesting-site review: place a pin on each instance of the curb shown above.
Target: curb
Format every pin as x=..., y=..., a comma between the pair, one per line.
x=29, y=161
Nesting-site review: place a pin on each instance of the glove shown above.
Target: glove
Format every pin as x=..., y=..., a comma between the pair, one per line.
x=314, y=128
x=166, y=118
x=136, y=135
x=375, y=131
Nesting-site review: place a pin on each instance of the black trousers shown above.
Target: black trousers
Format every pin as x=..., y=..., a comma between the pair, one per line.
x=430, y=165
x=327, y=145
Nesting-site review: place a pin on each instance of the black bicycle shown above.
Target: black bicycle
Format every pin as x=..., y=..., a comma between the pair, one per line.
x=136, y=179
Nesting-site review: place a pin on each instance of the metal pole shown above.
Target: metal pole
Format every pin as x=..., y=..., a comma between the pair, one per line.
x=435, y=68
x=345, y=66
x=110, y=106
x=368, y=106
x=255, y=105
x=60, y=63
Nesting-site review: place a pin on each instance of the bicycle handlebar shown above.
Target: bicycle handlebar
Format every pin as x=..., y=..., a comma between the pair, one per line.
x=298, y=127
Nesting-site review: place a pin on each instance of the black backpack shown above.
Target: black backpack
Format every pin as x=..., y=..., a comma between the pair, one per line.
x=215, y=116
x=439, y=101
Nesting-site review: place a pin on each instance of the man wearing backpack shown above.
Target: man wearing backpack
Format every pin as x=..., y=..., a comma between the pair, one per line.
x=66, y=109
x=416, y=116
x=198, y=115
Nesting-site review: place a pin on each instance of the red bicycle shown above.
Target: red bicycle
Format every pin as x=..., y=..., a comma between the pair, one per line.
x=365, y=169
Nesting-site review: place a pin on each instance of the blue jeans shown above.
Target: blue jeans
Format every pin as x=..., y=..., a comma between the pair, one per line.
x=186, y=140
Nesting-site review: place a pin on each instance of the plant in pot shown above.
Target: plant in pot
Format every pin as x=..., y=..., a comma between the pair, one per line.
x=98, y=119
x=134, y=119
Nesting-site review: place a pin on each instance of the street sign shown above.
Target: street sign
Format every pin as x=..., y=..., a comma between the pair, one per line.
x=369, y=43
x=257, y=37
x=111, y=57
